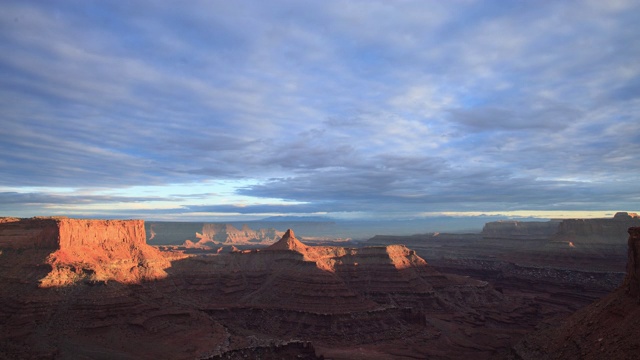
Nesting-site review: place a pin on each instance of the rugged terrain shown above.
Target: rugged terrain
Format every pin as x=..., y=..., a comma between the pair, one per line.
x=127, y=300
x=563, y=265
x=94, y=289
x=607, y=329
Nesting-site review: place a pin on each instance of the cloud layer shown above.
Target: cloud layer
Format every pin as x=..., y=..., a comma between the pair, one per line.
x=334, y=106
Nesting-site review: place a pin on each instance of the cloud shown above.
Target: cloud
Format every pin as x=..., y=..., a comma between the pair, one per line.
x=47, y=198
x=553, y=117
x=332, y=106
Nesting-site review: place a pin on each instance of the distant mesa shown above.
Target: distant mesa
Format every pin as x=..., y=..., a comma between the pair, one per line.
x=207, y=236
x=513, y=229
x=575, y=231
x=214, y=235
x=298, y=219
x=596, y=231
x=625, y=216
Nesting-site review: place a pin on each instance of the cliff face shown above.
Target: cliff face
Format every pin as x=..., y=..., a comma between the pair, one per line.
x=100, y=233
x=578, y=231
x=597, y=230
x=607, y=329
x=632, y=280
x=519, y=229
x=35, y=233
x=84, y=250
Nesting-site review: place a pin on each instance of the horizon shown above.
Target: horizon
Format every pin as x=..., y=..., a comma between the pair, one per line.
x=357, y=111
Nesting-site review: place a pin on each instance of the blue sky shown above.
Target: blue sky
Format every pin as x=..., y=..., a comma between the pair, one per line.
x=354, y=109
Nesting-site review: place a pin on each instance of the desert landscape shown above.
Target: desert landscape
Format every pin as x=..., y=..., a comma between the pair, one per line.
x=95, y=289
x=335, y=179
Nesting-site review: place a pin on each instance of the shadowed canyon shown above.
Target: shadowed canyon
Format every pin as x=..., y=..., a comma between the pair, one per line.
x=95, y=289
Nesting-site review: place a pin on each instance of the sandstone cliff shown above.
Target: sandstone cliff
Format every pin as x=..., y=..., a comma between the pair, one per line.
x=84, y=250
x=607, y=329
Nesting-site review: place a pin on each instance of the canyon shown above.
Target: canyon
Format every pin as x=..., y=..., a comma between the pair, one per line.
x=563, y=264
x=606, y=329
x=95, y=289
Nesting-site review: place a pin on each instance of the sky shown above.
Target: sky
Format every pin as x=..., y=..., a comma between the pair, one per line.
x=213, y=110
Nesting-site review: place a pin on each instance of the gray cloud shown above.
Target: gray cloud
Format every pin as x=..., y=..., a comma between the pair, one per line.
x=46, y=198
x=551, y=118
x=346, y=106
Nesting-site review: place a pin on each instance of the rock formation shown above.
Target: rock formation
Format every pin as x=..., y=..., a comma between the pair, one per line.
x=607, y=329
x=511, y=229
x=596, y=231
x=228, y=234
x=93, y=288
x=215, y=235
x=207, y=236
x=85, y=250
x=577, y=231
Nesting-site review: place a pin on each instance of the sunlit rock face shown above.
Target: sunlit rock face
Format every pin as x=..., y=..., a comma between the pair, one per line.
x=86, y=250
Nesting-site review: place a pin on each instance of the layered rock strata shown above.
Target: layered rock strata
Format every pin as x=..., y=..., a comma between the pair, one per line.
x=84, y=250
x=94, y=289
x=576, y=231
x=607, y=329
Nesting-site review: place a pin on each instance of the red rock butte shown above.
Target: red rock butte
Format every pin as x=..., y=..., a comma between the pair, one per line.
x=289, y=242
x=92, y=250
